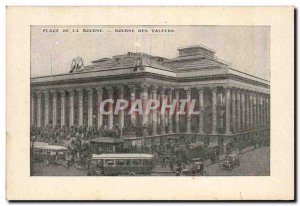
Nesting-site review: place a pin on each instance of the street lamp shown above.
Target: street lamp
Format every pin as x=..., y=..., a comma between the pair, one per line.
x=32, y=140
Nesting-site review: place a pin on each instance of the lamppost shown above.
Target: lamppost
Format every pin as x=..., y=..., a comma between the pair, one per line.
x=32, y=140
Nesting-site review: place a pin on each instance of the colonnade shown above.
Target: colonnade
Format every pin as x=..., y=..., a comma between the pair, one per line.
x=244, y=109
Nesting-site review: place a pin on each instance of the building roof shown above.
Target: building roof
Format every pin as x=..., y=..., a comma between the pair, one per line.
x=129, y=60
x=194, y=63
x=196, y=46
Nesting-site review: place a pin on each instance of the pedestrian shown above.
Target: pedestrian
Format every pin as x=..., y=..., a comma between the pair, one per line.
x=164, y=162
x=72, y=160
x=88, y=163
x=68, y=161
x=171, y=165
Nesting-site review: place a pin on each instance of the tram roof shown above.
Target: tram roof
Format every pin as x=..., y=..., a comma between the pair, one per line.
x=122, y=156
x=52, y=147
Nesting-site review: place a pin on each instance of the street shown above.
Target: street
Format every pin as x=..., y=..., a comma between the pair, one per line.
x=57, y=170
x=252, y=163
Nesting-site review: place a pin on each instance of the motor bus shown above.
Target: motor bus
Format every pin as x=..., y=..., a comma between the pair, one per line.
x=45, y=153
x=121, y=164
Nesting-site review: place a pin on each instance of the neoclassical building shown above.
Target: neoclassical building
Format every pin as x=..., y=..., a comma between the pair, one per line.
x=232, y=104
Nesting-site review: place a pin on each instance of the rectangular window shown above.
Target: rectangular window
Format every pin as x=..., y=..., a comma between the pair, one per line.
x=120, y=162
x=128, y=162
x=109, y=162
x=136, y=162
x=147, y=162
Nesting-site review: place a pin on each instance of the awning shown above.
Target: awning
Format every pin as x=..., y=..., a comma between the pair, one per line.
x=109, y=140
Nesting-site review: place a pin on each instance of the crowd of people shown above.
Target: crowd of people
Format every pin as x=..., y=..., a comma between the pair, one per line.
x=54, y=134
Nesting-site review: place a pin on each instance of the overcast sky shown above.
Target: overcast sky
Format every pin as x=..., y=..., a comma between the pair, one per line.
x=245, y=47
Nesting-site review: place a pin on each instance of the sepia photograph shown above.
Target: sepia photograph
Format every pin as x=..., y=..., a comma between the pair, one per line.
x=150, y=100
x=150, y=103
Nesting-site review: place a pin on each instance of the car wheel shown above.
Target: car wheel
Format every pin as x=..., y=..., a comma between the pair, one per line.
x=230, y=167
x=131, y=174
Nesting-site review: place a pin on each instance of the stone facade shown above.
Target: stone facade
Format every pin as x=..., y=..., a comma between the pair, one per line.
x=229, y=102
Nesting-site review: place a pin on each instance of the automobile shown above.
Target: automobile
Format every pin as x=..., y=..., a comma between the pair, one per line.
x=231, y=161
x=196, y=169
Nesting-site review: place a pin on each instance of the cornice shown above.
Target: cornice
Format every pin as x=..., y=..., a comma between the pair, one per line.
x=132, y=76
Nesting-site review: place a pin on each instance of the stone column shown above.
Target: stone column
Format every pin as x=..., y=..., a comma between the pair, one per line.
x=268, y=110
x=189, y=116
x=46, y=103
x=110, y=108
x=144, y=98
x=228, y=112
x=162, y=113
x=99, y=100
x=132, y=100
x=39, y=109
x=80, y=107
x=121, y=113
x=71, y=107
x=264, y=110
x=238, y=109
x=170, y=100
x=254, y=111
x=150, y=114
x=154, y=116
x=233, y=111
x=159, y=109
x=54, y=108
x=177, y=110
x=62, y=107
x=32, y=110
x=201, y=110
x=248, y=111
x=214, y=110
x=251, y=110
x=259, y=109
x=243, y=125
x=90, y=106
